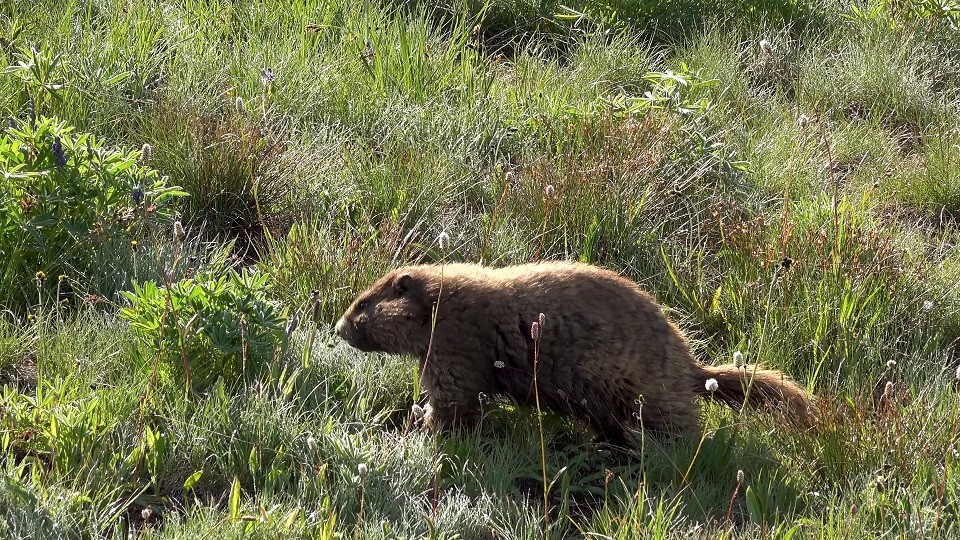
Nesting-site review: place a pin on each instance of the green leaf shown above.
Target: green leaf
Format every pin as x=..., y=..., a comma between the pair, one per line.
x=234, y=506
x=192, y=480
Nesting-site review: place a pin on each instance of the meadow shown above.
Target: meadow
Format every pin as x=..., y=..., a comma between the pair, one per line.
x=194, y=190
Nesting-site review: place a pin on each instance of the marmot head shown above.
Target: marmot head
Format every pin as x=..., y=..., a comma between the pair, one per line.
x=392, y=316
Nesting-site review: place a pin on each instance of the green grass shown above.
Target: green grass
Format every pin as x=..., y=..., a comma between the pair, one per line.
x=524, y=131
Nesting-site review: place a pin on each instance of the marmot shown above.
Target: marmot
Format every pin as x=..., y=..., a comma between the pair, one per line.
x=606, y=353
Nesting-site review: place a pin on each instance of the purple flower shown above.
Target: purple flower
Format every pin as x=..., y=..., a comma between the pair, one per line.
x=267, y=76
x=58, y=154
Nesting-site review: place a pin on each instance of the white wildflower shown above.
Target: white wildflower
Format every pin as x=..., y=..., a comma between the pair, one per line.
x=312, y=443
x=927, y=305
x=891, y=364
x=550, y=190
x=738, y=360
x=766, y=47
x=712, y=385
x=362, y=470
x=499, y=364
x=740, y=476
x=443, y=240
x=417, y=411
x=803, y=120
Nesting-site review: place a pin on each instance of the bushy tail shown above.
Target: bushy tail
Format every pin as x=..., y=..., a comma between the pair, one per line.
x=768, y=387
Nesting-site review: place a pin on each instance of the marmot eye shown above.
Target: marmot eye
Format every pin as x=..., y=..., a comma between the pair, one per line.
x=363, y=305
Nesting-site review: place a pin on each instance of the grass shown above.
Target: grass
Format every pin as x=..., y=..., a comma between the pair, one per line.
x=323, y=143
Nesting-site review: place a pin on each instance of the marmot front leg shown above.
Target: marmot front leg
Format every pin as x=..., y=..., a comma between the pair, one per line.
x=451, y=400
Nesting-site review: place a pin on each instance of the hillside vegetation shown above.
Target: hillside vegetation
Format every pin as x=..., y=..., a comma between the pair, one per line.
x=194, y=191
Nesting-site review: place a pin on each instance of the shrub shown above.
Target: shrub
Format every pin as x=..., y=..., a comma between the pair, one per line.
x=211, y=326
x=72, y=212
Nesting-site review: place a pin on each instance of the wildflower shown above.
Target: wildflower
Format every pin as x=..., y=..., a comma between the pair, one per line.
x=417, y=411
x=41, y=275
x=888, y=390
x=312, y=443
x=499, y=364
x=740, y=476
x=179, y=233
x=267, y=76
x=367, y=52
x=738, y=360
x=239, y=104
x=133, y=244
x=927, y=305
x=608, y=476
x=145, y=153
x=510, y=177
x=58, y=155
x=711, y=385
x=146, y=513
x=550, y=190
x=891, y=364
x=766, y=47
x=535, y=331
x=542, y=319
x=62, y=277
x=362, y=470
x=443, y=240
x=803, y=120
x=958, y=372
x=136, y=194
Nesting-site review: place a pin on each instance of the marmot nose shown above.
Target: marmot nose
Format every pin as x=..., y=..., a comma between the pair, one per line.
x=342, y=328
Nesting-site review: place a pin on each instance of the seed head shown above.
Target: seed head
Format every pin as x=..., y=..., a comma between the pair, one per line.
x=239, y=104
x=510, y=177
x=888, y=390
x=550, y=190
x=927, y=305
x=292, y=325
x=891, y=364
x=766, y=47
x=443, y=240
x=803, y=120
x=738, y=359
x=146, y=513
x=499, y=364
x=179, y=233
x=535, y=331
x=362, y=470
x=145, y=153
x=542, y=319
x=312, y=443
x=958, y=373
x=711, y=385
x=740, y=476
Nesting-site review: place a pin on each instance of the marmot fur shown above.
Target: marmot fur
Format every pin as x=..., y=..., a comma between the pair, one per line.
x=606, y=353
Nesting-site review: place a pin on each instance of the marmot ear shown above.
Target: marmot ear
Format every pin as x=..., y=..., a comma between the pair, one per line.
x=403, y=284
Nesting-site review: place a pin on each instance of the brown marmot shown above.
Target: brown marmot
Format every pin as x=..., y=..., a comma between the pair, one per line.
x=606, y=355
